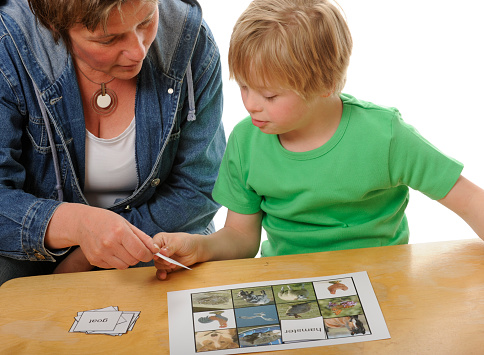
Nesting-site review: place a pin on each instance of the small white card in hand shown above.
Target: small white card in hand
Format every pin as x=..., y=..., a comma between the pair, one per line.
x=171, y=260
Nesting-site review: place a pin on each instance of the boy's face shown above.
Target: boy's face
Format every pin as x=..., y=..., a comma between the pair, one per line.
x=279, y=111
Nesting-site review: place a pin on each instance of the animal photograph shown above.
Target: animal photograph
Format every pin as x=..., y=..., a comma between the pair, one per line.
x=337, y=286
x=346, y=326
x=214, y=320
x=340, y=307
x=216, y=340
x=298, y=310
x=334, y=288
x=254, y=296
x=256, y=316
x=294, y=292
x=260, y=336
x=207, y=301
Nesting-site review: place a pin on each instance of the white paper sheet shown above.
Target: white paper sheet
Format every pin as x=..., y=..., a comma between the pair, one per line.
x=275, y=315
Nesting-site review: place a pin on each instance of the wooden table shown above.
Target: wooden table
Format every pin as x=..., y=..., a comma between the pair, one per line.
x=431, y=295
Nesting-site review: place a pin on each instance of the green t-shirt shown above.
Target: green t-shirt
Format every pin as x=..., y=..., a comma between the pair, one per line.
x=349, y=193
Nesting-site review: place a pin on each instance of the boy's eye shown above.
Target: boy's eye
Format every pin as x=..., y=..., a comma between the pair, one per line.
x=270, y=98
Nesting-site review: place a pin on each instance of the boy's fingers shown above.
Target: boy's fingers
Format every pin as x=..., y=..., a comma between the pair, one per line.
x=161, y=274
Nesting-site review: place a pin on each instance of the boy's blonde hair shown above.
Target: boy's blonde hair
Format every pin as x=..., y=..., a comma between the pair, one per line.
x=301, y=45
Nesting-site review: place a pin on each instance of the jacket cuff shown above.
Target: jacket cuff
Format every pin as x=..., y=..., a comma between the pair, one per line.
x=34, y=227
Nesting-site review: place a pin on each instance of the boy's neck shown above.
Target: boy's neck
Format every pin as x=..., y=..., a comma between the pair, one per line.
x=327, y=117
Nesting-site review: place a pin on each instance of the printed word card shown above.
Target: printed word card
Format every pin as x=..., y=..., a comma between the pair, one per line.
x=107, y=320
x=275, y=315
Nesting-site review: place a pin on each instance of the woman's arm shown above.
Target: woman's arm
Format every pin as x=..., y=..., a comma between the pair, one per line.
x=106, y=239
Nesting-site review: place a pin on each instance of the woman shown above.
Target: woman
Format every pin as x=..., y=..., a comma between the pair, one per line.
x=101, y=146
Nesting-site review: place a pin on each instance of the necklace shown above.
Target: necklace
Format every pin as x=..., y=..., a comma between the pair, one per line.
x=104, y=101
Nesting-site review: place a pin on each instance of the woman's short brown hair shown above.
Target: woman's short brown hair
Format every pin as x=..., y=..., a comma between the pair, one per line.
x=302, y=45
x=59, y=16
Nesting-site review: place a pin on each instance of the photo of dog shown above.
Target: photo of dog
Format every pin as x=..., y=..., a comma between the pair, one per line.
x=216, y=340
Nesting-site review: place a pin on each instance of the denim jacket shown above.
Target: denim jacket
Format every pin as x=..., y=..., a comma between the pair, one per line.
x=178, y=152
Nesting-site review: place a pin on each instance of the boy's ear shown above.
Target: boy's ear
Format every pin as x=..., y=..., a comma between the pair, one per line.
x=328, y=92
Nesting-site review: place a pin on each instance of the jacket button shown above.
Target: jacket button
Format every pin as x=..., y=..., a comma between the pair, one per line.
x=170, y=91
x=155, y=182
x=39, y=256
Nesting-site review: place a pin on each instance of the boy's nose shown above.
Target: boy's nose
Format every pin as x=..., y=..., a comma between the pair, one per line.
x=252, y=104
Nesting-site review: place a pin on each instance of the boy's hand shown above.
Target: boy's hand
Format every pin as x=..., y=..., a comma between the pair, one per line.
x=75, y=262
x=239, y=238
x=182, y=247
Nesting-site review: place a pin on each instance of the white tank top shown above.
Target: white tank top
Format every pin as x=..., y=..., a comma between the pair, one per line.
x=110, y=167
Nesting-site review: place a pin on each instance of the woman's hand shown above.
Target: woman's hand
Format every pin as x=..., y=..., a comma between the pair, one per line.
x=107, y=239
x=185, y=248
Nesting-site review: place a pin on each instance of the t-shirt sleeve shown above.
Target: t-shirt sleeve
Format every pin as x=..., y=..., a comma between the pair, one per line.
x=231, y=189
x=415, y=162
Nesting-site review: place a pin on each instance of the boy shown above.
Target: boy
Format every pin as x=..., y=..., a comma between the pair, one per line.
x=319, y=170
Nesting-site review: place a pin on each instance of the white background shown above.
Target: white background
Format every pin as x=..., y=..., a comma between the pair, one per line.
x=424, y=57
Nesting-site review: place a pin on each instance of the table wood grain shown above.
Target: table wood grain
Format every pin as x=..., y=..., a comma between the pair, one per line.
x=431, y=296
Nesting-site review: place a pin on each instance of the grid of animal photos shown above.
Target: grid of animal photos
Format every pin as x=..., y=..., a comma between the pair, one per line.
x=258, y=317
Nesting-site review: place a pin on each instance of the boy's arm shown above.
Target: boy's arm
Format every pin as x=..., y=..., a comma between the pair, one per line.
x=467, y=200
x=239, y=238
x=76, y=261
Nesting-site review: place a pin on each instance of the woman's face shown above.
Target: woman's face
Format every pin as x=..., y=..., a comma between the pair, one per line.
x=118, y=52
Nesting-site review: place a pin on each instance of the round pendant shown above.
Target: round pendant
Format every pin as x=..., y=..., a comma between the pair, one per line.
x=104, y=104
x=103, y=101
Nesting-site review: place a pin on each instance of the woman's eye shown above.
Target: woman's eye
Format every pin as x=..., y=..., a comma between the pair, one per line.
x=145, y=23
x=107, y=41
